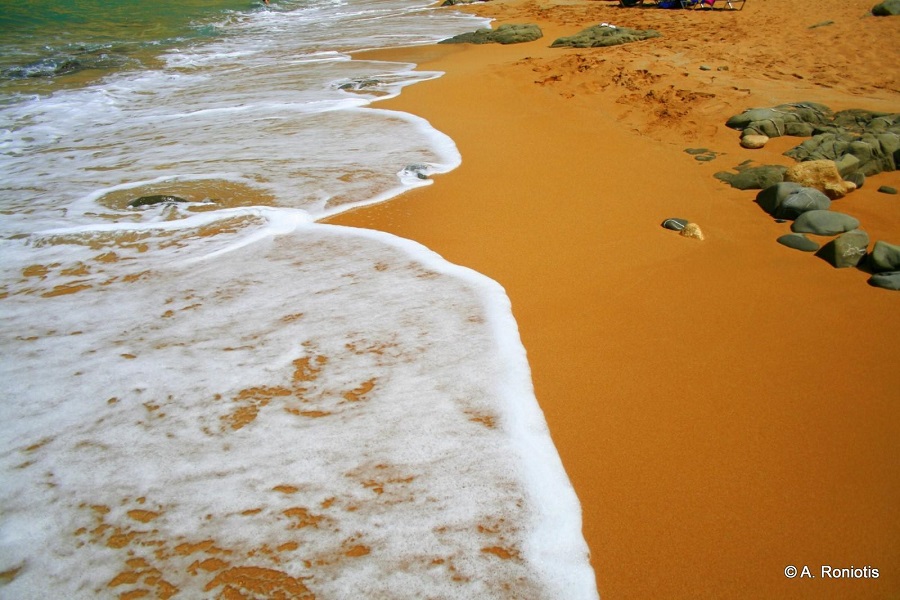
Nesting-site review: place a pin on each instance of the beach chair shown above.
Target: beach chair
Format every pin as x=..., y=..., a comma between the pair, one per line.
x=730, y=4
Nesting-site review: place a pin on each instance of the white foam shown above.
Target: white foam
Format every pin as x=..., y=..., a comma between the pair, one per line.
x=194, y=393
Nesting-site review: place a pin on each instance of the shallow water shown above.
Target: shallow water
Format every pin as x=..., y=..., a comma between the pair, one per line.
x=215, y=393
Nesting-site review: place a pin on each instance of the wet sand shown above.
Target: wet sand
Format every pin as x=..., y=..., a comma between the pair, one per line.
x=724, y=408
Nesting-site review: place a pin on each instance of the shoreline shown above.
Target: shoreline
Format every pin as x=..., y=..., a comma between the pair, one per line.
x=723, y=408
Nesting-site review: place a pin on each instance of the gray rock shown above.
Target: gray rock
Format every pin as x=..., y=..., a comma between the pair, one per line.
x=156, y=199
x=505, y=34
x=886, y=189
x=884, y=257
x=888, y=281
x=846, y=165
x=857, y=179
x=753, y=178
x=888, y=8
x=824, y=222
x=600, y=36
x=798, y=241
x=785, y=119
x=788, y=200
x=847, y=249
x=675, y=224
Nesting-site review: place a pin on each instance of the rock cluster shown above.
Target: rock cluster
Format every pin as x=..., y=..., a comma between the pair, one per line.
x=604, y=35
x=505, y=34
x=861, y=142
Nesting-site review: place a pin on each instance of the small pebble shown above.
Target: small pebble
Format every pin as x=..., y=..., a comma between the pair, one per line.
x=886, y=189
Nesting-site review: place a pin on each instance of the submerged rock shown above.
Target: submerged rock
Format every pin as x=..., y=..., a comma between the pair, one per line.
x=156, y=199
x=604, y=35
x=824, y=222
x=505, y=34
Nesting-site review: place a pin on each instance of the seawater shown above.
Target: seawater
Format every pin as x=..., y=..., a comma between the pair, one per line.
x=216, y=395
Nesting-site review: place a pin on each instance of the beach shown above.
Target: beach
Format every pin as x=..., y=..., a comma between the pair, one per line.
x=724, y=408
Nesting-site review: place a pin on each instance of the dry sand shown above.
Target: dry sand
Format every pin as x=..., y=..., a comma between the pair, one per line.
x=724, y=408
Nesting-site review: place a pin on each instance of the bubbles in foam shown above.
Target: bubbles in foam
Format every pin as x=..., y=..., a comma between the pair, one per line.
x=219, y=394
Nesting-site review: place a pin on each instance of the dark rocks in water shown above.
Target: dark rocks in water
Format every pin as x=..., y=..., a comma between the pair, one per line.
x=798, y=241
x=788, y=200
x=753, y=178
x=600, y=36
x=889, y=280
x=886, y=189
x=824, y=222
x=505, y=34
x=417, y=170
x=67, y=64
x=155, y=199
x=888, y=8
x=846, y=250
x=675, y=224
x=359, y=84
x=884, y=257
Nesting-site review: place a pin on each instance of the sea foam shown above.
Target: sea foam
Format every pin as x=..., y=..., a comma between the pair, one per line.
x=220, y=394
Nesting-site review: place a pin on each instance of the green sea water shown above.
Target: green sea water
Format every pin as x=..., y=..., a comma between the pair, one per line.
x=45, y=44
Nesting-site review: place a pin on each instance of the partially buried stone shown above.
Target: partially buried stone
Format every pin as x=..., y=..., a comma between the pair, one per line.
x=156, y=199
x=889, y=280
x=505, y=34
x=675, y=224
x=824, y=222
x=798, y=241
x=884, y=257
x=886, y=189
x=753, y=178
x=692, y=230
x=847, y=249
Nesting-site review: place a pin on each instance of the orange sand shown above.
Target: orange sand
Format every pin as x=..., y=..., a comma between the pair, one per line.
x=724, y=408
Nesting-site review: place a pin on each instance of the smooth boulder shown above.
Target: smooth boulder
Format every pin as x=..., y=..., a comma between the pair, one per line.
x=888, y=281
x=788, y=200
x=888, y=8
x=847, y=249
x=824, y=222
x=884, y=257
x=798, y=241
